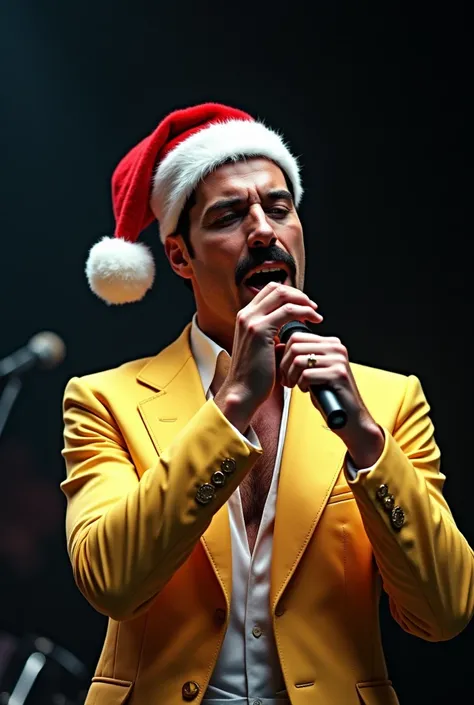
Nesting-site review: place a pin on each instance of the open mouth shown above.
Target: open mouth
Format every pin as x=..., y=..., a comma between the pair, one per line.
x=263, y=275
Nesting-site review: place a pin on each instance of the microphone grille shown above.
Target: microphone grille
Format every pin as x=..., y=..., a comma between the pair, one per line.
x=49, y=348
x=287, y=330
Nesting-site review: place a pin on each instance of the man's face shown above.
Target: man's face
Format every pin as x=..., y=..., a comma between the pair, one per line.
x=243, y=221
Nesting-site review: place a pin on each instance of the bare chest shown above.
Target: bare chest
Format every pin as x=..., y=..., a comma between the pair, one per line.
x=256, y=485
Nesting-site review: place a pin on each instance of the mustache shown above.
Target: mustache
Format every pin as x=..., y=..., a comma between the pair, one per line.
x=258, y=256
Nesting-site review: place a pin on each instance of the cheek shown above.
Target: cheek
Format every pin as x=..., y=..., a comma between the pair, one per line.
x=302, y=260
x=295, y=244
x=221, y=252
x=215, y=264
x=299, y=249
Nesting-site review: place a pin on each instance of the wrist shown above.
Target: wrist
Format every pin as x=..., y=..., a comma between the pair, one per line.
x=237, y=406
x=365, y=445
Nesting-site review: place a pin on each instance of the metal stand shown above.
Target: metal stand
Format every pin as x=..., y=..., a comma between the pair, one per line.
x=38, y=672
x=7, y=399
x=31, y=670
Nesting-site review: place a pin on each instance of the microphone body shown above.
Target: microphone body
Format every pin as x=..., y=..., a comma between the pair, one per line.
x=44, y=350
x=334, y=412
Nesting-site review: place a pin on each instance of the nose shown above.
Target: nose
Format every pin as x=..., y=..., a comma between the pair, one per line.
x=260, y=232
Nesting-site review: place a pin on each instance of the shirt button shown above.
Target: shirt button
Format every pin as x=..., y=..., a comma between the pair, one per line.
x=257, y=632
x=220, y=615
x=257, y=702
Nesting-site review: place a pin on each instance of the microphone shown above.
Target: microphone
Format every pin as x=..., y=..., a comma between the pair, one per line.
x=44, y=350
x=336, y=416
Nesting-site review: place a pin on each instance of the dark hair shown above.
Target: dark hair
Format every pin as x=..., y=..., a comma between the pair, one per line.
x=183, y=226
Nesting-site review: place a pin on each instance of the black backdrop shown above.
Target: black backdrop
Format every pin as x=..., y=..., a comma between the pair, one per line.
x=375, y=100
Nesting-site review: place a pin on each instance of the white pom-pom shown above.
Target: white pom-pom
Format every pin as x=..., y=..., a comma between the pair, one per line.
x=118, y=271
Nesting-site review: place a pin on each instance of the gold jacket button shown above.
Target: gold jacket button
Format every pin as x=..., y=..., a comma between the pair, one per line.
x=190, y=690
x=382, y=491
x=228, y=466
x=280, y=610
x=397, y=517
x=218, y=479
x=205, y=493
x=388, y=502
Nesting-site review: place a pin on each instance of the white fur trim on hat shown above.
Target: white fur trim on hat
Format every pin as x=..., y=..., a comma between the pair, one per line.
x=118, y=271
x=181, y=170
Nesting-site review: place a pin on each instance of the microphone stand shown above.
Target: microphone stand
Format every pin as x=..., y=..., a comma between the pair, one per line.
x=48, y=674
x=31, y=670
x=7, y=399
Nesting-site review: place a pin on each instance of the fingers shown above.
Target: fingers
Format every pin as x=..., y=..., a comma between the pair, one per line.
x=275, y=305
x=253, y=365
x=292, y=312
x=333, y=375
x=331, y=355
x=275, y=295
x=307, y=343
x=328, y=369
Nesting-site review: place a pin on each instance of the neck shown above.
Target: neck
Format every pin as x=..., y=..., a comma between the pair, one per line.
x=277, y=394
x=217, y=333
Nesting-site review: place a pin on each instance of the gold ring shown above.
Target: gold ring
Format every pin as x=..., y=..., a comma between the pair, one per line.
x=312, y=360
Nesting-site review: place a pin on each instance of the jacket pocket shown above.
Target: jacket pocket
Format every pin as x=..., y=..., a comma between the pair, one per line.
x=108, y=691
x=340, y=493
x=377, y=693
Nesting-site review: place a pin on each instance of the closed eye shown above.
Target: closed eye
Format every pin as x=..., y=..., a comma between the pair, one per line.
x=229, y=218
x=277, y=212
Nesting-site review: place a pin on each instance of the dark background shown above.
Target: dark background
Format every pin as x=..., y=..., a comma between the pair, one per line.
x=373, y=96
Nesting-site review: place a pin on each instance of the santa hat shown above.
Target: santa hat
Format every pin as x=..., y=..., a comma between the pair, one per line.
x=155, y=180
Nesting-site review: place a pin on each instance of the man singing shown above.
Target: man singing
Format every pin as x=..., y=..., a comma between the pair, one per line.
x=238, y=544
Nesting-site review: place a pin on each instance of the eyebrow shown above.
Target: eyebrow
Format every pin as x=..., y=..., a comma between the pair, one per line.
x=273, y=195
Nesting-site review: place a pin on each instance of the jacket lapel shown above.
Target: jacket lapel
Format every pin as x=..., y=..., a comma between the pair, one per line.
x=312, y=459
x=174, y=376
x=311, y=462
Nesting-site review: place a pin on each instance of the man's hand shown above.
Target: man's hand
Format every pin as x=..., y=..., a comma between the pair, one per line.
x=362, y=436
x=252, y=372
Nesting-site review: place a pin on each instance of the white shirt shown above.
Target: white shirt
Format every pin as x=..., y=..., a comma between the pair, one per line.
x=248, y=669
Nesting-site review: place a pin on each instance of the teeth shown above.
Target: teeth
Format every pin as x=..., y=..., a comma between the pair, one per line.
x=266, y=269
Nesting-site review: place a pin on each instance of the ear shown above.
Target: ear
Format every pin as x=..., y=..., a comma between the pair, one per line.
x=178, y=256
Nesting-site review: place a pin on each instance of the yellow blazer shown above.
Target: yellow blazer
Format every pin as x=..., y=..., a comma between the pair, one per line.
x=141, y=439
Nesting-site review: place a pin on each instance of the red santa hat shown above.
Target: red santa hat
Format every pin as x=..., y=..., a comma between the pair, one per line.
x=156, y=178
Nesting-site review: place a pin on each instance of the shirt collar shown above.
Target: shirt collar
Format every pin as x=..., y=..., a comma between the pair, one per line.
x=205, y=352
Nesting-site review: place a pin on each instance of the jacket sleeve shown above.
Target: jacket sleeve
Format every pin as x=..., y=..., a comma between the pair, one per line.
x=426, y=564
x=127, y=537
